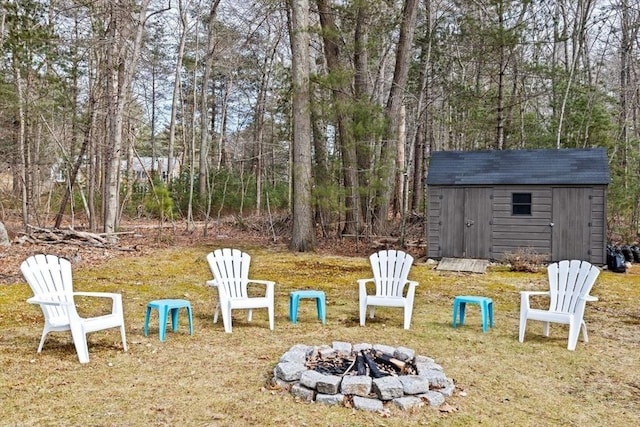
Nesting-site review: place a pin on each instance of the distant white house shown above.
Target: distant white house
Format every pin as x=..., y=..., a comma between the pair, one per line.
x=8, y=173
x=142, y=167
x=57, y=173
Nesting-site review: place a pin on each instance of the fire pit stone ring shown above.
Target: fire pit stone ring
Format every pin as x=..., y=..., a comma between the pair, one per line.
x=363, y=376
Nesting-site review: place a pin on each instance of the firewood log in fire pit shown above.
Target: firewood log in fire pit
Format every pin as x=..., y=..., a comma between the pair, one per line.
x=385, y=358
x=367, y=362
x=373, y=367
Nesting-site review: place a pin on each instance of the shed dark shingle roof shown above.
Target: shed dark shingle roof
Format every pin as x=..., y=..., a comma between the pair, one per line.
x=525, y=167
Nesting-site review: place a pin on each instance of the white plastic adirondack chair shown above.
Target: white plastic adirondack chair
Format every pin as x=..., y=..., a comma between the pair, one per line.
x=51, y=281
x=390, y=272
x=230, y=269
x=569, y=285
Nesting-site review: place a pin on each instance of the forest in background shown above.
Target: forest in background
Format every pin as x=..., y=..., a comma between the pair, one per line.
x=327, y=110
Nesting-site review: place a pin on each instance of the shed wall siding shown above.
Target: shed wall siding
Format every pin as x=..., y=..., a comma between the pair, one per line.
x=512, y=233
x=433, y=221
x=599, y=225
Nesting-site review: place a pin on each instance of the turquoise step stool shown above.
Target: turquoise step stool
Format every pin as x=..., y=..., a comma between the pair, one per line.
x=486, y=309
x=164, y=306
x=321, y=304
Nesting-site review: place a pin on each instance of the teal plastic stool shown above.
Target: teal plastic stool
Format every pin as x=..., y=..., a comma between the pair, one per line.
x=164, y=306
x=486, y=309
x=296, y=296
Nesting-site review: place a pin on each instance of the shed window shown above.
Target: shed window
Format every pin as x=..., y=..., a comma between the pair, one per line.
x=521, y=204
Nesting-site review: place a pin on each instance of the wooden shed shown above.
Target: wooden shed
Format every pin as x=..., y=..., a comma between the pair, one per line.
x=486, y=204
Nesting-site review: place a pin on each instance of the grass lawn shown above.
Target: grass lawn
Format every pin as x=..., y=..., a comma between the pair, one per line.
x=218, y=379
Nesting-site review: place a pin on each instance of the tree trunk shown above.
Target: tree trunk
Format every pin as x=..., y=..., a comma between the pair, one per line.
x=259, y=126
x=302, y=234
x=499, y=144
x=176, y=93
x=204, y=106
x=392, y=112
x=222, y=158
x=341, y=103
x=78, y=163
x=121, y=75
x=584, y=10
x=401, y=164
x=422, y=117
x=23, y=152
x=362, y=90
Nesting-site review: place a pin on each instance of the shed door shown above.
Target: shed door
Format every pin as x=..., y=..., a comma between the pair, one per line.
x=477, y=223
x=571, y=236
x=465, y=223
x=452, y=222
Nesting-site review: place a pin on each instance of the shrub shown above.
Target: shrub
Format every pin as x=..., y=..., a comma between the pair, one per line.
x=158, y=203
x=524, y=260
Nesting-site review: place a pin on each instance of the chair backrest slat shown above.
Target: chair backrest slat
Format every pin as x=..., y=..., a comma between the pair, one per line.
x=569, y=281
x=50, y=275
x=390, y=272
x=230, y=269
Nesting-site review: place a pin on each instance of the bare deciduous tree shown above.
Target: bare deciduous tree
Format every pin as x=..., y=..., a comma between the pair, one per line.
x=302, y=233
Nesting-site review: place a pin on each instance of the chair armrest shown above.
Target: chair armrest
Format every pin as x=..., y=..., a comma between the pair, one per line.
x=116, y=299
x=530, y=293
x=270, y=285
x=98, y=294
x=47, y=299
x=524, y=299
x=362, y=288
x=412, y=290
x=261, y=282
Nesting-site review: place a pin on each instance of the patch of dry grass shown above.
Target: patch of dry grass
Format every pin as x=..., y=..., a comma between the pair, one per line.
x=217, y=379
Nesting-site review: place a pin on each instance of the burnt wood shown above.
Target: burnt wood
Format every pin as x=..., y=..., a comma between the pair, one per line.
x=374, y=371
x=372, y=363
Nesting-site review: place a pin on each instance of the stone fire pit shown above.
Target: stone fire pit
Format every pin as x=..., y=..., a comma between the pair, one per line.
x=421, y=381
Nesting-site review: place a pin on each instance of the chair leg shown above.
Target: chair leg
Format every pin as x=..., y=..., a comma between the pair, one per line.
x=545, y=329
x=574, y=333
x=293, y=308
x=124, y=337
x=250, y=315
x=585, y=337
x=523, y=324
x=226, y=319
x=408, y=311
x=490, y=305
x=147, y=316
x=216, y=312
x=174, y=319
x=45, y=332
x=321, y=305
x=190, y=314
x=484, y=315
x=372, y=311
x=363, y=311
x=162, y=322
x=454, y=322
x=80, y=342
x=271, y=311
